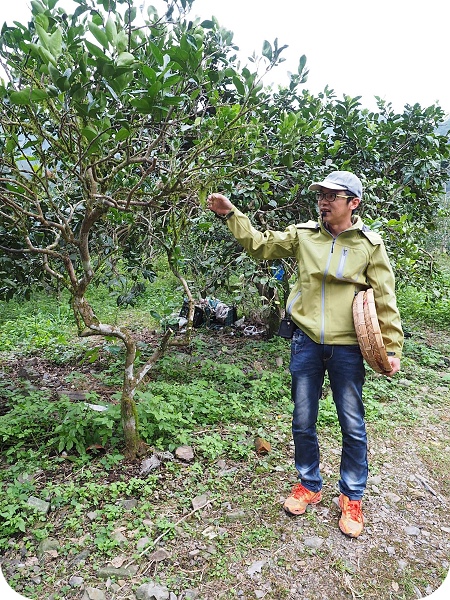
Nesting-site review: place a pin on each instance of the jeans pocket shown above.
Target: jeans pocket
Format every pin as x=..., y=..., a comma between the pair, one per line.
x=298, y=341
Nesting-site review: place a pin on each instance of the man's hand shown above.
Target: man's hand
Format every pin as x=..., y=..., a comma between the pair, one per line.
x=395, y=366
x=219, y=204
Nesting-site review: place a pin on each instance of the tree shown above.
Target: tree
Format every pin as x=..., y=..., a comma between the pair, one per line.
x=111, y=132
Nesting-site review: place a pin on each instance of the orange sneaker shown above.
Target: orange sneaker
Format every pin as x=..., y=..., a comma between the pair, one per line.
x=300, y=497
x=352, y=520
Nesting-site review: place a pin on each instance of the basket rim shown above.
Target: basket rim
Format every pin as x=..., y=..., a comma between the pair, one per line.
x=368, y=332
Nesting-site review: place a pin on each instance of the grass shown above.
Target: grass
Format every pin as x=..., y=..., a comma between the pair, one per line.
x=218, y=397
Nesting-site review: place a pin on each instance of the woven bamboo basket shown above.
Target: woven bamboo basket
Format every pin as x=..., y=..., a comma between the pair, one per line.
x=368, y=332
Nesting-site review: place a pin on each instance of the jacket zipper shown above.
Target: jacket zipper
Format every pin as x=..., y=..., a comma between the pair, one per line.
x=325, y=273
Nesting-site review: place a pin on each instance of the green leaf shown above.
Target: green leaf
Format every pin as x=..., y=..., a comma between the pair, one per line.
x=301, y=64
x=143, y=105
x=55, y=43
x=44, y=38
x=111, y=30
x=122, y=134
x=157, y=54
x=149, y=73
x=22, y=97
x=47, y=56
x=99, y=34
x=207, y=24
x=54, y=73
x=89, y=133
x=96, y=51
x=239, y=85
x=38, y=95
x=37, y=8
x=125, y=59
x=267, y=50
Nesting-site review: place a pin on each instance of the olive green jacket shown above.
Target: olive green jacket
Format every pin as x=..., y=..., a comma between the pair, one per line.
x=331, y=271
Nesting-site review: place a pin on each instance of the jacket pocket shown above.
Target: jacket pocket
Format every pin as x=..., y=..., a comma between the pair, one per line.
x=341, y=265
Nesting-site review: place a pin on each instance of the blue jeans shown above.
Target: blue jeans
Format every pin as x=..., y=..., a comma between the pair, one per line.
x=309, y=362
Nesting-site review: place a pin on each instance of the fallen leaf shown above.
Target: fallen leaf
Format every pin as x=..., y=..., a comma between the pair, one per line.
x=256, y=567
x=262, y=446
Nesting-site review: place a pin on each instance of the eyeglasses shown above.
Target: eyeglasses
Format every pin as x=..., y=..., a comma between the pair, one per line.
x=329, y=196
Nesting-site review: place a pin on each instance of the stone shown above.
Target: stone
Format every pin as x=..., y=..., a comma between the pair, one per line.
x=185, y=453
x=152, y=591
x=75, y=581
x=117, y=572
x=38, y=504
x=414, y=531
x=150, y=464
x=129, y=504
x=119, y=538
x=392, y=497
x=159, y=555
x=143, y=542
x=235, y=516
x=92, y=593
x=81, y=557
x=200, y=501
x=313, y=542
x=73, y=395
x=49, y=545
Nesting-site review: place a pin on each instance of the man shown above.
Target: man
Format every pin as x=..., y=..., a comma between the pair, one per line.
x=338, y=256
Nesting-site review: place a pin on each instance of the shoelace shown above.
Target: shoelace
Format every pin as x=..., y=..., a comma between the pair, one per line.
x=300, y=491
x=354, y=510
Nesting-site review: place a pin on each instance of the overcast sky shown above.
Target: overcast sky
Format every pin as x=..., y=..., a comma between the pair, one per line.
x=396, y=49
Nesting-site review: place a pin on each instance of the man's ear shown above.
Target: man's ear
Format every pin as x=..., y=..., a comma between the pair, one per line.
x=355, y=202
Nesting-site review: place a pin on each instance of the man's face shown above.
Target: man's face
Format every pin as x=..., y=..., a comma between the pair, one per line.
x=335, y=206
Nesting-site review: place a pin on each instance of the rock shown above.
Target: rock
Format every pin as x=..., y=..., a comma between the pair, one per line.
x=82, y=556
x=200, y=501
x=117, y=572
x=150, y=464
x=38, y=504
x=235, y=515
x=152, y=591
x=374, y=480
x=47, y=546
x=159, y=555
x=129, y=504
x=313, y=542
x=119, y=538
x=91, y=593
x=392, y=497
x=185, y=453
x=73, y=395
x=75, y=581
x=191, y=594
x=92, y=515
x=414, y=531
x=143, y=542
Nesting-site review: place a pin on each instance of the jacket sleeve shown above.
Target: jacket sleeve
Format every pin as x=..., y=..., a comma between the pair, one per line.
x=266, y=245
x=381, y=278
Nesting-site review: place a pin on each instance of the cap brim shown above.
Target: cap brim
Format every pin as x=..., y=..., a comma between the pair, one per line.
x=315, y=187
